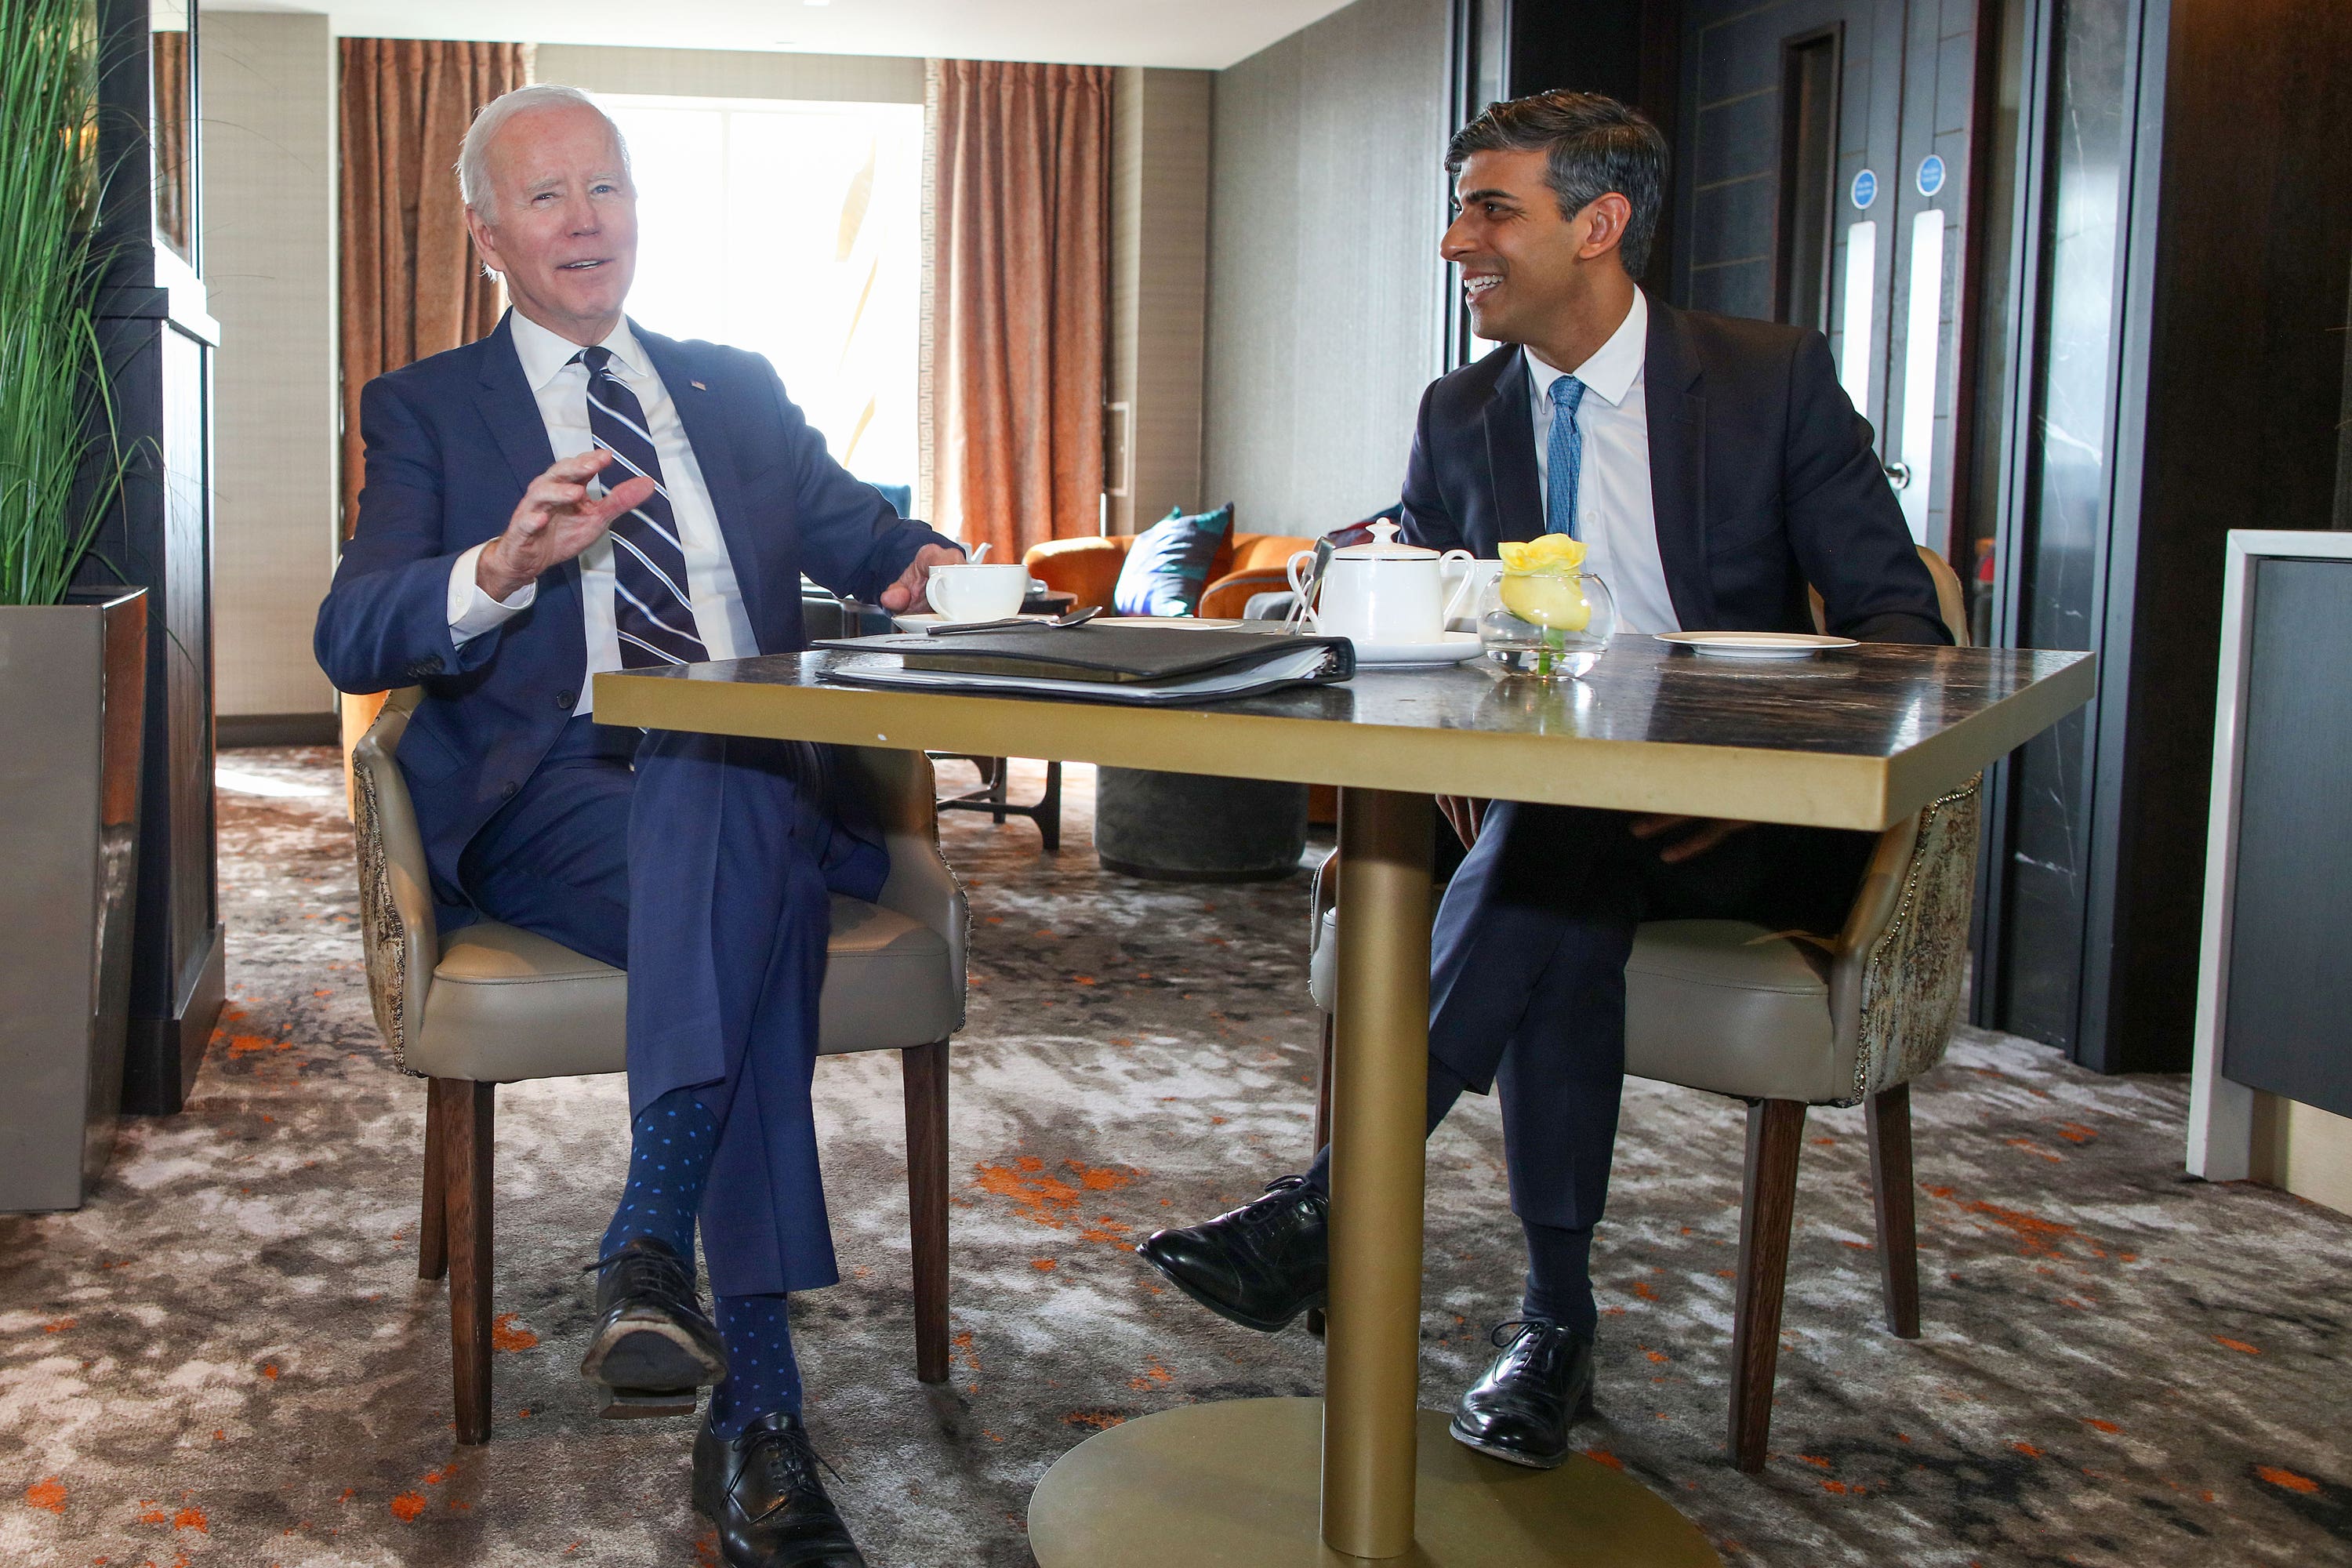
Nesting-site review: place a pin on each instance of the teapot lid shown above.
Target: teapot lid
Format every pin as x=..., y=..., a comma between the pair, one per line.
x=1384, y=547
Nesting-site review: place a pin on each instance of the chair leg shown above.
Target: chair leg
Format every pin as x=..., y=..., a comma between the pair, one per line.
x=1893, y=1201
x=1322, y=1136
x=469, y=1121
x=433, y=1224
x=1049, y=810
x=925, y=1068
x=1775, y=1135
x=1000, y=771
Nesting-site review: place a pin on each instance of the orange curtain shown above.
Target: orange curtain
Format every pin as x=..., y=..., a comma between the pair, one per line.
x=1020, y=279
x=411, y=286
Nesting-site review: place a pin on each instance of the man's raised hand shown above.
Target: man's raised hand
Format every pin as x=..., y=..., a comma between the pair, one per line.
x=555, y=520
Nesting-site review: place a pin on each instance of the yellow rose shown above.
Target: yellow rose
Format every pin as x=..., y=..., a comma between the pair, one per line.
x=1549, y=552
x=1550, y=599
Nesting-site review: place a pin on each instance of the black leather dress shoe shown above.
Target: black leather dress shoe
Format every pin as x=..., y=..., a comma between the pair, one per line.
x=763, y=1492
x=1521, y=1410
x=1261, y=1264
x=652, y=1347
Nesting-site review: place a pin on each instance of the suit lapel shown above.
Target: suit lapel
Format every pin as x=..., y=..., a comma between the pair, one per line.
x=1677, y=419
x=1511, y=452
x=686, y=380
x=508, y=406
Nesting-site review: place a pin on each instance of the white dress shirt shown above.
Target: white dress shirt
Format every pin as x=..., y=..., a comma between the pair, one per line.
x=560, y=389
x=1617, y=516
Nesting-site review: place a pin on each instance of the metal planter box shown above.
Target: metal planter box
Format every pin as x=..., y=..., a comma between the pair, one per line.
x=73, y=682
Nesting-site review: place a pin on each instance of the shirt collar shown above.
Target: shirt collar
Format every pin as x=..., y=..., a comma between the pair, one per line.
x=544, y=353
x=1613, y=367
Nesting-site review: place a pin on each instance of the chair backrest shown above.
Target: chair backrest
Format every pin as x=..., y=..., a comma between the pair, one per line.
x=398, y=933
x=1951, y=602
x=1899, y=970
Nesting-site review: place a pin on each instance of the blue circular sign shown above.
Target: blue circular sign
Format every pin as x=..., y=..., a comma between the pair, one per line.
x=1865, y=188
x=1931, y=175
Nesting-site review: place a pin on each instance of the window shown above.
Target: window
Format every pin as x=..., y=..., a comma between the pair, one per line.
x=793, y=230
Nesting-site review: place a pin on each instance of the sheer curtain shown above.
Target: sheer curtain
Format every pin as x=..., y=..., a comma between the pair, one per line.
x=1019, y=167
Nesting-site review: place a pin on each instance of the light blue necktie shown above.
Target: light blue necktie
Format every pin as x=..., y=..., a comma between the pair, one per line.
x=1566, y=457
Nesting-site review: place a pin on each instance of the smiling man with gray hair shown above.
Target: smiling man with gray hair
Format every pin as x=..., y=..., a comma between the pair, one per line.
x=574, y=494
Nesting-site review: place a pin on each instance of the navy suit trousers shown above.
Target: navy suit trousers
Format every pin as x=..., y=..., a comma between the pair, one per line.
x=1528, y=968
x=704, y=865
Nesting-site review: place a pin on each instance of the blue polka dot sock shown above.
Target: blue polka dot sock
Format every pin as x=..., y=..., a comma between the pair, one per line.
x=670, y=1145
x=762, y=1373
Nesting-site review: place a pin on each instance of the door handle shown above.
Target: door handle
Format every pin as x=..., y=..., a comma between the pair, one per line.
x=1898, y=474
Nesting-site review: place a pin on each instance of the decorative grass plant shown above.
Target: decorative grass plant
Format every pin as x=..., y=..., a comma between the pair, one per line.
x=58, y=463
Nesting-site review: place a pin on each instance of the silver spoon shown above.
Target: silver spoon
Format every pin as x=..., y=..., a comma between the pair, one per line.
x=1059, y=623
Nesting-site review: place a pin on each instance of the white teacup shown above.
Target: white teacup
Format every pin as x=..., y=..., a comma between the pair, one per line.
x=964, y=593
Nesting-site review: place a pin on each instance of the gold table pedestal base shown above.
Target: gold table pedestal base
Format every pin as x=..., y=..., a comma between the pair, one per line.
x=1237, y=1484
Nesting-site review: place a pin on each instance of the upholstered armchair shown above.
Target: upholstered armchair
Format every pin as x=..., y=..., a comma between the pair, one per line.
x=1248, y=563
x=490, y=1004
x=1786, y=1021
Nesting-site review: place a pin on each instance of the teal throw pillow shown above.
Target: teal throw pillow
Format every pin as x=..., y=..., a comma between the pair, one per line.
x=1167, y=567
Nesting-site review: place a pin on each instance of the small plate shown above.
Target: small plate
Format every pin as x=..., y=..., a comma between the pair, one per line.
x=1452, y=648
x=1755, y=645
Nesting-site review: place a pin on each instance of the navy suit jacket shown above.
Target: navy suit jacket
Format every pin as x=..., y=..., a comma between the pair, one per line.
x=1761, y=475
x=452, y=443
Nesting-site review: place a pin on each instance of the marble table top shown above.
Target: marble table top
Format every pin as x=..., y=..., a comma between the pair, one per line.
x=1855, y=738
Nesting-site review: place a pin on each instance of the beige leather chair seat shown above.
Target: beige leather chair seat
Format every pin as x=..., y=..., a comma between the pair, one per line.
x=489, y=1004
x=1784, y=1023
x=508, y=1004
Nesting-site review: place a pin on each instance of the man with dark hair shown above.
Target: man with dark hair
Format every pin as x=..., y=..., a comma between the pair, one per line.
x=1713, y=470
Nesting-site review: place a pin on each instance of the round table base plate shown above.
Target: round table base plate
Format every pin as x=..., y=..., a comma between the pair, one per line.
x=1235, y=1484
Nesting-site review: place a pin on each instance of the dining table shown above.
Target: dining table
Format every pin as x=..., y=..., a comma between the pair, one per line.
x=1853, y=738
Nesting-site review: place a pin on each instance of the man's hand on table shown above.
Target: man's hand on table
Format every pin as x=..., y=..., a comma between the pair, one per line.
x=555, y=520
x=1709, y=832
x=911, y=592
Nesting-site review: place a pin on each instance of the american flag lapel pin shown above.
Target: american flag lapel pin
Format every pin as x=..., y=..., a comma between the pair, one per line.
x=698, y=386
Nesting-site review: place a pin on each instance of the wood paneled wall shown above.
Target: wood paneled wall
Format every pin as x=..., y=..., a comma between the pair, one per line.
x=270, y=248
x=1158, y=294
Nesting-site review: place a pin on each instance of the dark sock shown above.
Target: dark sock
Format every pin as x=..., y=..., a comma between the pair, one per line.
x=1559, y=1277
x=762, y=1373
x=670, y=1145
x=1445, y=1089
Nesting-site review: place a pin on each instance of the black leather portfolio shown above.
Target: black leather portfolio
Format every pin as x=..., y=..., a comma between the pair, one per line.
x=1101, y=661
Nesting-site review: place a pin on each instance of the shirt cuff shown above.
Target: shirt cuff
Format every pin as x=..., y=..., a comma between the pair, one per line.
x=473, y=612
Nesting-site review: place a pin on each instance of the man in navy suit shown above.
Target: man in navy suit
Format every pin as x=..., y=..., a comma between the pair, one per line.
x=572, y=494
x=1713, y=470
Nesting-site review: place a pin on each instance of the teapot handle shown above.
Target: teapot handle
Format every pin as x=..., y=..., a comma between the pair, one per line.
x=1454, y=566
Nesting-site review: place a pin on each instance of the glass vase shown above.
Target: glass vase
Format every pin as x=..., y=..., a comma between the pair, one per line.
x=1551, y=625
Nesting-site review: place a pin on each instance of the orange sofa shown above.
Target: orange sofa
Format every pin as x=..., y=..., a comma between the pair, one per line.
x=1247, y=563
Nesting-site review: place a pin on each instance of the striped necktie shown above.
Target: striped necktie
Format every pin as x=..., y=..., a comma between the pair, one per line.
x=1564, y=457
x=652, y=610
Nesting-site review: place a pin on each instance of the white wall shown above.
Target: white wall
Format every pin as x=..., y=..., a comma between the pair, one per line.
x=268, y=84
x=726, y=73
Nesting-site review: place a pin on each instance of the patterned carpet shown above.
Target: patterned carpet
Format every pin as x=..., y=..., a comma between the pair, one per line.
x=226, y=1357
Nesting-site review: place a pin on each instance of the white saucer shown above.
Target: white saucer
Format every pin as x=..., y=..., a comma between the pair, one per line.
x=1452, y=648
x=1756, y=645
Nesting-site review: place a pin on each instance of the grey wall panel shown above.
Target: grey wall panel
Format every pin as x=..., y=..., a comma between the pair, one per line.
x=2289, y=1028
x=1327, y=198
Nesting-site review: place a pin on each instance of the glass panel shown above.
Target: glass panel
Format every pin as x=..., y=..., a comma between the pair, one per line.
x=1923, y=337
x=1861, y=283
x=174, y=125
x=2065, y=525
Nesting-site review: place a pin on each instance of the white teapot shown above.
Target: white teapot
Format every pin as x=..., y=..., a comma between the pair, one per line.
x=1385, y=592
